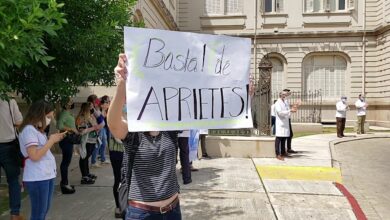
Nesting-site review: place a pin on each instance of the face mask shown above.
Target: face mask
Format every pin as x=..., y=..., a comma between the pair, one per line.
x=48, y=120
x=343, y=100
x=124, y=109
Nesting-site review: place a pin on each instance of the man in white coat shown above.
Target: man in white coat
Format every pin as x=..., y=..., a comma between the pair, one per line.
x=341, y=113
x=282, y=114
x=361, y=107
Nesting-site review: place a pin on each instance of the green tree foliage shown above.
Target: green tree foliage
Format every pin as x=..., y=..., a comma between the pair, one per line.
x=23, y=26
x=85, y=50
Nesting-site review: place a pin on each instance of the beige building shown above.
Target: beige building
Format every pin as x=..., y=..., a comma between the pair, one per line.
x=339, y=46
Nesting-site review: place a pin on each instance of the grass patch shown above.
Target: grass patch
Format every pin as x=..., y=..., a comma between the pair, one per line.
x=4, y=205
x=325, y=130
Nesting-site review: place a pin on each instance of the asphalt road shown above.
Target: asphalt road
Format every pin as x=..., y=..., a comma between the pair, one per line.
x=365, y=169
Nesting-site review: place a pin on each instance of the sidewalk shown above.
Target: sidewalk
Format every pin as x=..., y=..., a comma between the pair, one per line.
x=231, y=188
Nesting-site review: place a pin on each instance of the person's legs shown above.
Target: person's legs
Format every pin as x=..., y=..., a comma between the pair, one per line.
x=203, y=145
x=94, y=155
x=362, y=123
x=277, y=146
x=289, y=139
x=12, y=171
x=39, y=196
x=67, y=152
x=116, y=163
x=342, y=126
x=338, y=127
x=90, y=150
x=184, y=159
x=83, y=163
x=50, y=187
x=175, y=214
x=359, y=125
x=102, y=149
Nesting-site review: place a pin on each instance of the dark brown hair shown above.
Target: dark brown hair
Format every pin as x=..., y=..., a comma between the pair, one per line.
x=36, y=115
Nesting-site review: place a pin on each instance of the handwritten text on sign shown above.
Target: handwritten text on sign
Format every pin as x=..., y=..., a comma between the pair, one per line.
x=180, y=80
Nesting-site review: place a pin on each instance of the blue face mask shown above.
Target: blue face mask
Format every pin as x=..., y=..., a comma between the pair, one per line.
x=124, y=109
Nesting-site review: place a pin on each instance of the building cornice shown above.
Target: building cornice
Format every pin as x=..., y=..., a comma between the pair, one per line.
x=166, y=14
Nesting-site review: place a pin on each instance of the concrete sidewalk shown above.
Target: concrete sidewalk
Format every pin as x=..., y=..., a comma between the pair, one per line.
x=229, y=188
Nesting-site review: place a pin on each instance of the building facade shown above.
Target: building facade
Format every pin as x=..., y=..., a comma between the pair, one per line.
x=341, y=47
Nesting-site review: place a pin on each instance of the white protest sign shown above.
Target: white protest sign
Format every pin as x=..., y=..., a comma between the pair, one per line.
x=180, y=80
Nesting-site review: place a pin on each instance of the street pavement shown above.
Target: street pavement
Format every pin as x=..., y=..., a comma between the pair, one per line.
x=233, y=188
x=365, y=167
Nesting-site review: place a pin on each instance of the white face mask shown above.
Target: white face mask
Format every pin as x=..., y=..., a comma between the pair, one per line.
x=48, y=120
x=344, y=100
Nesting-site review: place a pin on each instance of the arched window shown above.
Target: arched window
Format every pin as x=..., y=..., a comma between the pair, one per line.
x=277, y=75
x=325, y=72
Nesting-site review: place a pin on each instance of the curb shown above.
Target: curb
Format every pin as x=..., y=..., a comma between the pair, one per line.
x=352, y=201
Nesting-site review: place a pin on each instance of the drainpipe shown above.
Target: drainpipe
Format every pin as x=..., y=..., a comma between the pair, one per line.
x=255, y=44
x=364, y=50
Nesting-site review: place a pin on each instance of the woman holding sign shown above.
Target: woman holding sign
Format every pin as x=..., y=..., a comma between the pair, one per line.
x=154, y=189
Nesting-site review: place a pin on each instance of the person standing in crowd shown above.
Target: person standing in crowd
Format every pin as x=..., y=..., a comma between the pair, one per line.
x=273, y=118
x=289, y=138
x=361, y=107
x=104, y=133
x=202, y=137
x=184, y=157
x=66, y=122
x=40, y=165
x=97, y=115
x=282, y=115
x=154, y=189
x=86, y=125
x=10, y=119
x=341, y=114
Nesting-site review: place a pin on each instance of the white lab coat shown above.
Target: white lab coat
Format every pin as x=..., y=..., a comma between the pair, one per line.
x=282, y=114
x=341, y=109
x=361, y=108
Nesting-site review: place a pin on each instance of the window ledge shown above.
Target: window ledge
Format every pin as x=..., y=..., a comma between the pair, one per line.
x=274, y=14
x=327, y=13
x=219, y=21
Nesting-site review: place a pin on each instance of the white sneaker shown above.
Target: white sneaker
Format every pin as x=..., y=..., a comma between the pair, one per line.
x=95, y=165
x=106, y=162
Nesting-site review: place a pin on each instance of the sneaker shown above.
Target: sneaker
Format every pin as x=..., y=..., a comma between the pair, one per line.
x=67, y=189
x=118, y=213
x=95, y=165
x=106, y=162
x=92, y=176
x=86, y=180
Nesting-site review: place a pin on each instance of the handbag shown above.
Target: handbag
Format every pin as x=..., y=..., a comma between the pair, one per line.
x=73, y=138
x=126, y=171
x=18, y=154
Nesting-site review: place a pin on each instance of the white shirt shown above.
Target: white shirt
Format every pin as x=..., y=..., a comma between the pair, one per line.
x=7, y=133
x=43, y=169
x=341, y=109
x=273, y=110
x=360, y=107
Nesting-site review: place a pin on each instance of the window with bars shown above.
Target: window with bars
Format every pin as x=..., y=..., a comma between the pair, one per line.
x=277, y=77
x=223, y=7
x=326, y=73
x=275, y=6
x=327, y=5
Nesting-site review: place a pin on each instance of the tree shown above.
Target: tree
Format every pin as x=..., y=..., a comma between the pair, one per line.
x=23, y=26
x=85, y=50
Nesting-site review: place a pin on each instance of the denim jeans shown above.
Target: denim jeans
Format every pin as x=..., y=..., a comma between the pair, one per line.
x=102, y=148
x=41, y=194
x=133, y=213
x=9, y=163
x=67, y=152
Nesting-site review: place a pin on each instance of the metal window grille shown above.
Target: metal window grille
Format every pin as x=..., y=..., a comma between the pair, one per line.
x=213, y=7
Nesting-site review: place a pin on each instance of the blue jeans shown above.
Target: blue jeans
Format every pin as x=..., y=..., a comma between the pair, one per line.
x=41, y=194
x=102, y=148
x=133, y=213
x=8, y=154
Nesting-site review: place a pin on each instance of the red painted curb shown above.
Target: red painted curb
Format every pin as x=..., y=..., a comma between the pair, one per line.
x=355, y=205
